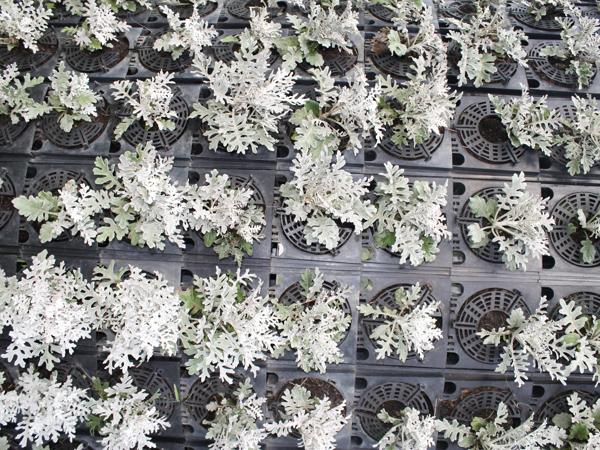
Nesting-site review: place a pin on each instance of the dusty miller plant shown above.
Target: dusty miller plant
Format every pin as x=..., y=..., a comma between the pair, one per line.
x=249, y=99
x=226, y=216
x=323, y=196
x=141, y=311
x=99, y=28
x=23, y=23
x=539, y=9
x=48, y=310
x=124, y=416
x=322, y=28
x=339, y=117
x=235, y=420
x=579, y=136
x=528, y=121
x=536, y=338
x=581, y=424
x=483, y=41
x=316, y=420
x=583, y=332
x=137, y=200
x=421, y=106
x=315, y=325
x=409, y=220
x=43, y=409
x=580, y=46
x=230, y=323
x=71, y=97
x=149, y=100
x=589, y=225
x=15, y=100
x=191, y=34
x=264, y=32
x=408, y=327
x=410, y=430
x=497, y=433
x=516, y=220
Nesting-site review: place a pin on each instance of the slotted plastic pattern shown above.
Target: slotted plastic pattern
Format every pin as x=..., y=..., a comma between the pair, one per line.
x=558, y=404
x=339, y=61
x=547, y=23
x=489, y=306
x=7, y=193
x=550, y=72
x=375, y=399
x=483, y=402
x=468, y=127
x=82, y=134
x=156, y=61
x=9, y=132
x=201, y=393
x=294, y=232
x=162, y=139
x=381, y=12
x=411, y=152
x=241, y=9
x=391, y=64
x=225, y=51
x=558, y=153
x=153, y=382
x=491, y=251
x=26, y=59
x=98, y=61
x=588, y=301
x=386, y=298
x=565, y=212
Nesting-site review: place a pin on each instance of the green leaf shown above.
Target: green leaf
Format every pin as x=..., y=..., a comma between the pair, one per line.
x=478, y=423
x=562, y=420
x=384, y=239
x=209, y=238
x=482, y=208
x=104, y=173
x=313, y=107
x=588, y=251
x=232, y=38
x=94, y=424
x=314, y=58
x=579, y=432
x=37, y=208
x=307, y=279
x=192, y=299
x=571, y=228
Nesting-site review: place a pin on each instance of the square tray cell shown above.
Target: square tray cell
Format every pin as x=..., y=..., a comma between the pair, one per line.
x=547, y=75
x=109, y=63
x=39, y=63
x=375, y=16
x=377, y=259
x=197, y=394
x=154, y=18
x=464, y=398
x=262, y=182
x=236, y=13
x=85, y=139
x=484, y=304
x=337, y=384
x=12, y=177
x=52, y=176
x=548, y=27
x=289, y=244
x=17, y=139
x=378, y=388
x=379, y=289
x=564, y=257
x=480, y=141
x=486, y=259
x=286, y=288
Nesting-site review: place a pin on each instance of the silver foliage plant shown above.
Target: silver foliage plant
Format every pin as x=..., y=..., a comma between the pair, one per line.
x=191, y=34
x=539, y=9
x=498, y=433
x=316, y=420
x=149, y=100
x=100, y=27
x=23, y=23
x=407, y=327
x=314, y=326
x=589, y=225
x=71, y=97
x=339, y=117
x=141, y=313
x=581, y=423
x=579, y=46
x=324, y=196
x=15, y=99
x=528, y=121
x=229, y=323
x=579, y=136
x=249, y=98
x=516, y=220
x=409, y=219
x=411, y=430
x=536, y=338
x=323, y=28
x=483, y=41
x=48, y=310
x=235, y=423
